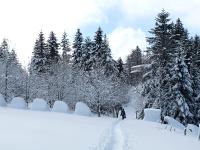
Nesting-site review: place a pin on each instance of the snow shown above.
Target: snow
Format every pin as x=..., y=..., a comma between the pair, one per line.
x=192, y=129
x=2, y=101
x=39, y=104
x=42, y=130
x=143, y=135
x=172, y=122
x=17, y=102
x=60, y=106
x=82, y=109
x=151, y=114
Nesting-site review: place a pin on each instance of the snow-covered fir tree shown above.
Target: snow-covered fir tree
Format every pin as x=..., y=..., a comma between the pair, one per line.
x=40, y=53
x=52, y=47
x=65, y=47
x=77, y=46
x=157, y=86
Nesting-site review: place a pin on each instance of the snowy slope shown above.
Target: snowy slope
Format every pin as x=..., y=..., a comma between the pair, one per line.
x=37, y=130
x=40, y=130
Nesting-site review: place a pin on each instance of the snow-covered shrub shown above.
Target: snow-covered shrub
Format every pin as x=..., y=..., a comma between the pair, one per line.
x=192, y=129
x=151, y=114
x=39, y=104
x=60, y=106
x=82, y=109
x=17, y=102
x=174, y=123
x=2, y=101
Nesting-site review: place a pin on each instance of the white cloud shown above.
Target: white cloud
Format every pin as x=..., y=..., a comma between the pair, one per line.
x=123, y=40
x=22, y=20
x=187, y=10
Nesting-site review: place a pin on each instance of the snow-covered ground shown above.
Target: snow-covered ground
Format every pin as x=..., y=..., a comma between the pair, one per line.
x=44, y=130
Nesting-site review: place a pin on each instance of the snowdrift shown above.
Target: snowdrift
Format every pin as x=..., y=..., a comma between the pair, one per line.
x=151, y=114
x=17, y=102
x=174, y=123
x=82, y=109
x=2, y=101
x=39, y=104
x=60, y=106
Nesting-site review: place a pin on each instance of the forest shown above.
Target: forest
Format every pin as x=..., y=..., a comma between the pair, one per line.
x=84, y=70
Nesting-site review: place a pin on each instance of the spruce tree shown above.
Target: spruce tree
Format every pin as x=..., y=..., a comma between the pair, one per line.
x=157, y=85
x=39, y=58
x=134, y=59
x=65, y=47
x=77, y=46
x=52, y=47
x=87, y=62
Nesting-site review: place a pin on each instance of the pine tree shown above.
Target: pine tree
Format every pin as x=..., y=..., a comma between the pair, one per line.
x=77, y=46
x=120, y=66
x=181, y=91
x=157, y=87
x=134, y=59
x=106, y=59
x=65, y=47
x=39, y=58
x=87, y=61
x=52, y=47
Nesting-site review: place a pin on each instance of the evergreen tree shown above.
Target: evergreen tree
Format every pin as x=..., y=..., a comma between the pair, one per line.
x=65, y=47
x=52, y=47
x=120, y=66
x=39, y=58
x=106, y=59
x=134, y=59
x=77, y=46
x=157, y=85
x=88, y=47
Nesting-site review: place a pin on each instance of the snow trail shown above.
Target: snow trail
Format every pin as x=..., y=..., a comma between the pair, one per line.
x=117, y=137
x=113, y=138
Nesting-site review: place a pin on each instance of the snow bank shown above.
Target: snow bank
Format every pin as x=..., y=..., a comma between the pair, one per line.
x=82, y=109
x=39, y=104
x=151, y=114
x=192, y=129
x=2, y=100
x=17, y=102
x=174, y=123
x=60, y=106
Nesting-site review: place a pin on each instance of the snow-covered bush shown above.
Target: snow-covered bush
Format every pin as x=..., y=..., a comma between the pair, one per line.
x=82, y=109
x=39, y=104
x=151, y=114
x=174, y=123
x=2, y=101
x=17, y=102
x=192, y=129
x=60, y=106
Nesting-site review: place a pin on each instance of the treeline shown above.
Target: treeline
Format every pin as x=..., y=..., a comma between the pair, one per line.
x=172, y=80
x=84, y=71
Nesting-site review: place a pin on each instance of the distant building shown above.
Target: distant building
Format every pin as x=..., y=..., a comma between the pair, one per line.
x=138, y=72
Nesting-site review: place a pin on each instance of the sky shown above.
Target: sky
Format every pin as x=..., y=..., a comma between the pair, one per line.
x=126, y=22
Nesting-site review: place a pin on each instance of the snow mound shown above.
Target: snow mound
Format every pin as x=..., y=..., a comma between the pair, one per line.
x=174, y=123
x=60, y=106
x=82, y=109
x=151, y=114
x=39, y=104
x=17, y=102
x=2, y=101
x=193, y=129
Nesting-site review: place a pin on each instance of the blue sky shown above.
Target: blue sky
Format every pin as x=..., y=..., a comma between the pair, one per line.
x=126, y=22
